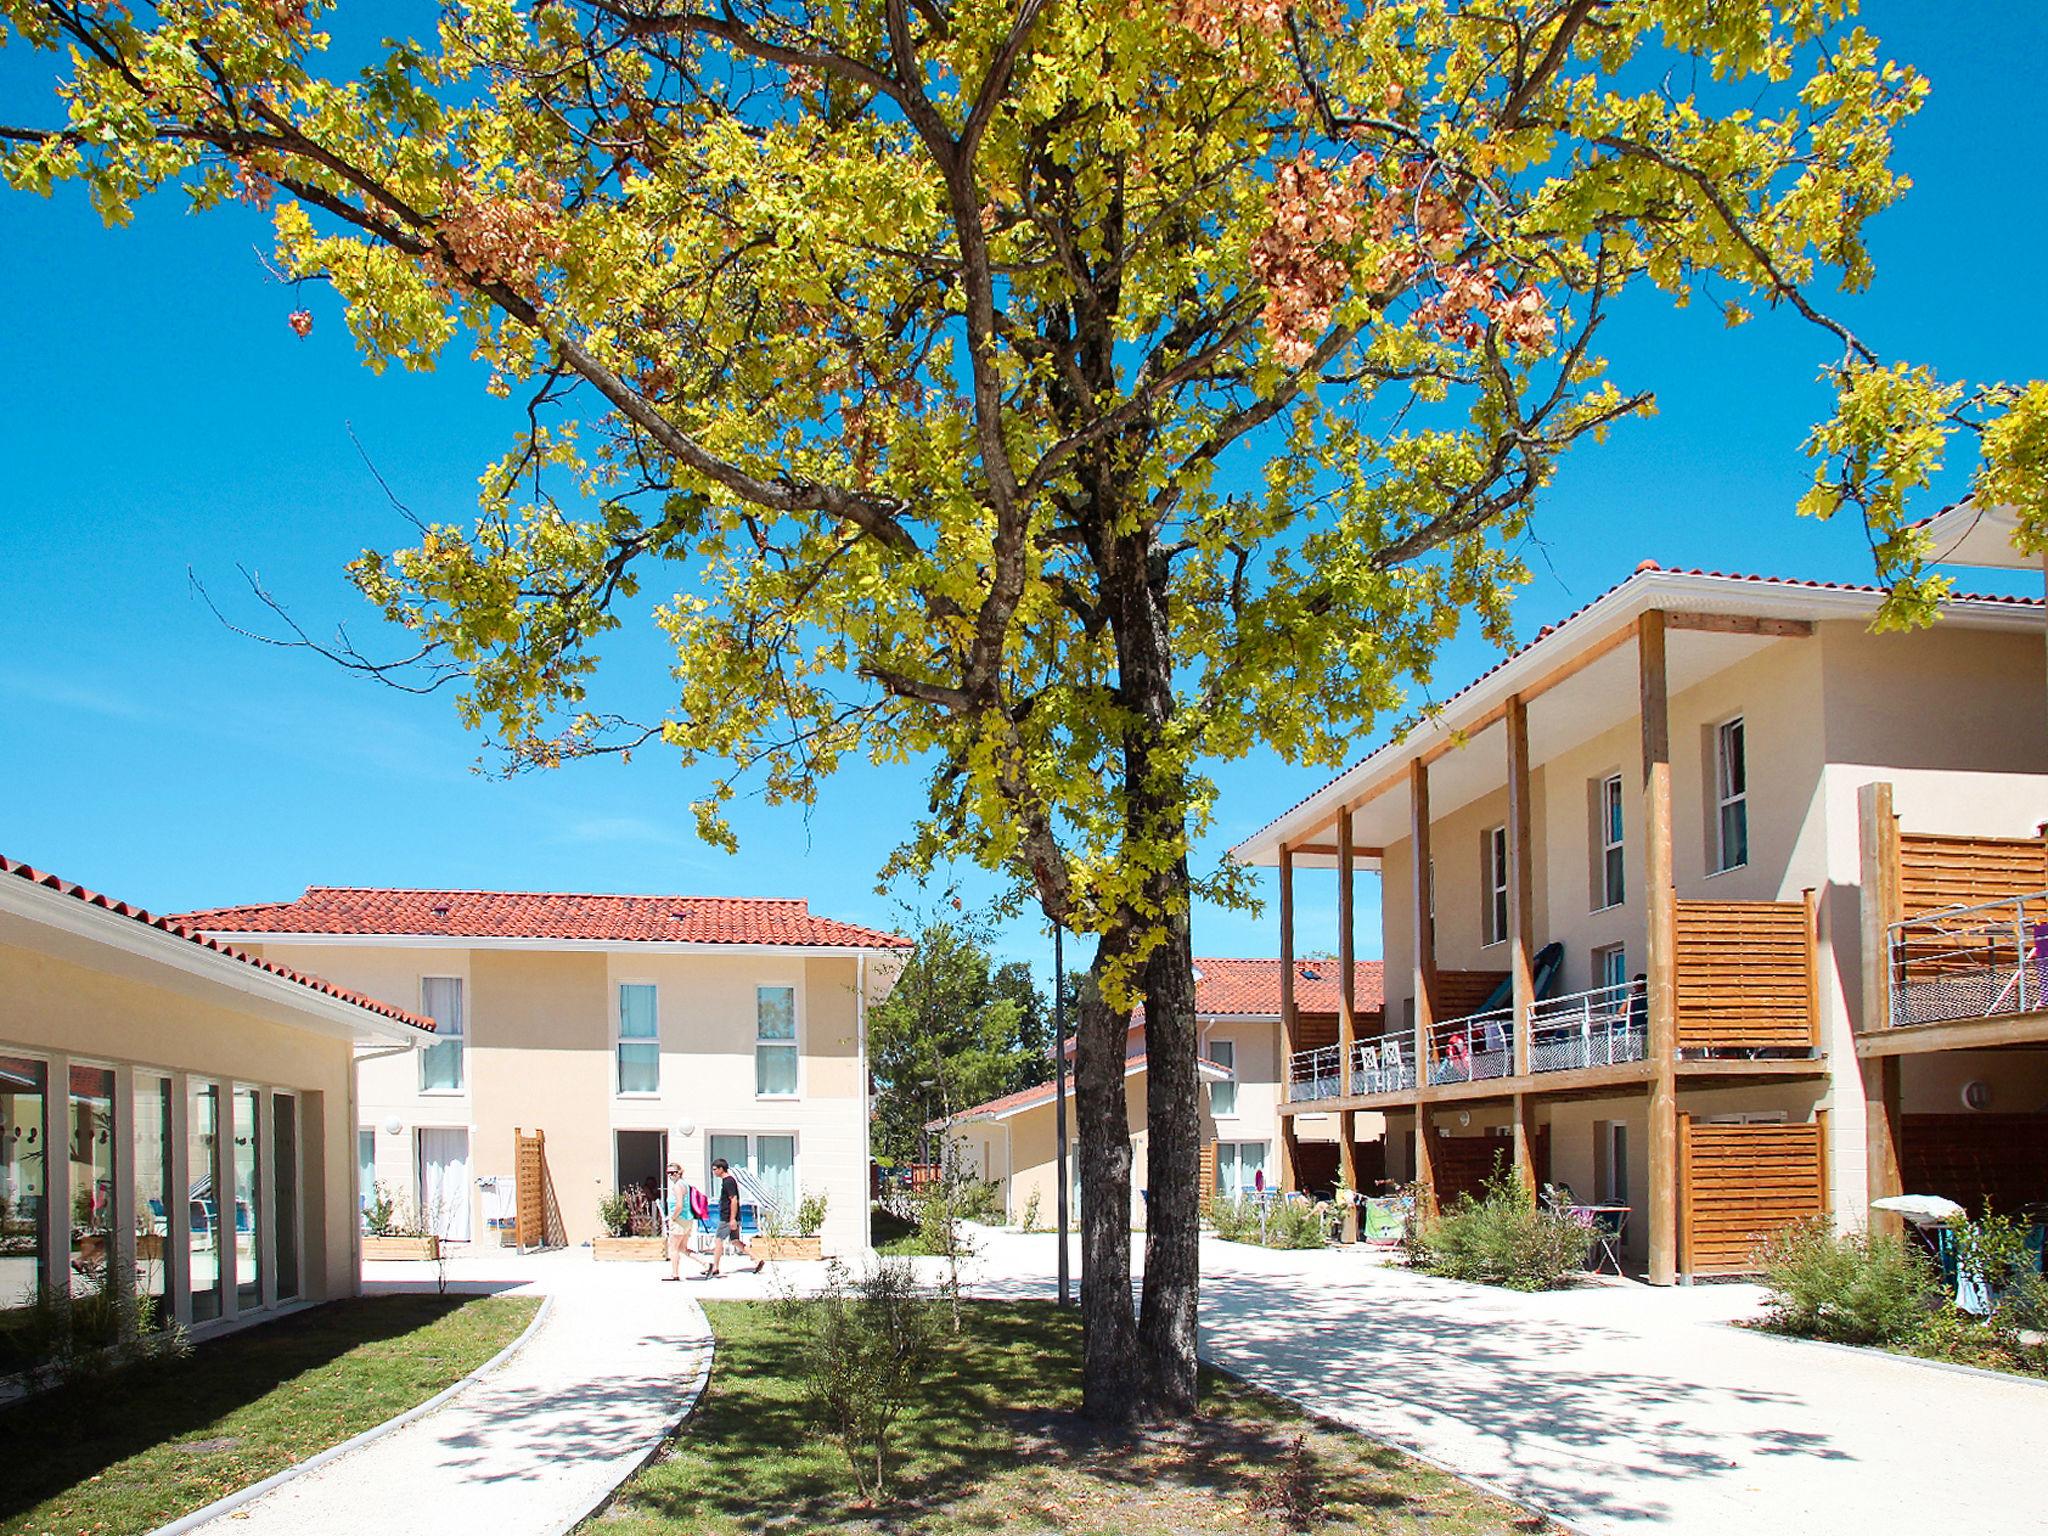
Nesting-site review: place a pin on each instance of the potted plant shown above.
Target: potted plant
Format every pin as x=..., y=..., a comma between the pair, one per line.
x=776, y=1242
x=632, y=1227
x=392, y=1233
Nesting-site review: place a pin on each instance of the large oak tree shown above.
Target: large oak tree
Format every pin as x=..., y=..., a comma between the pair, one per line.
x=1057, y=395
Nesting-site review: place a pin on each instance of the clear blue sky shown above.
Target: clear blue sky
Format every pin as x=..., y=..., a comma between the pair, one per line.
x=157, y=415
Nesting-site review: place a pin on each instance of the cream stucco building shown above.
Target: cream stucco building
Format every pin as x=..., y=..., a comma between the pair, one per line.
x=1635, y=927
x=1012, y=1141
x=175, y=1114
x=628, y=1030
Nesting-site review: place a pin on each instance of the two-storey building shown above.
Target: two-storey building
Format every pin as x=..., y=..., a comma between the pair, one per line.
x=627, y=1030
x=1629, y=881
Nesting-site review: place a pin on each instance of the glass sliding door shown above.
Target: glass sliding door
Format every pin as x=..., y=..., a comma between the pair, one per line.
x=775, y=1167
x=89, y=1135
x=202, y=1143
x=366, y=1169
x=284, y=1196
x=152, y=1193
x=248, y=1199
x=23, y=1179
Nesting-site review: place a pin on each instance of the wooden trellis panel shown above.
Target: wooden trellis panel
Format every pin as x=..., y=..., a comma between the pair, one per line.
x=530, y=1178
x=1937, y=872
x=1745, y=974
x=1208, y=1169
x=1738, y=1183
x=1459, y=993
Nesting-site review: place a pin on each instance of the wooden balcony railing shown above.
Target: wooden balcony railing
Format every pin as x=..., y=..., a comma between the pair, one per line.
x=1746, y=977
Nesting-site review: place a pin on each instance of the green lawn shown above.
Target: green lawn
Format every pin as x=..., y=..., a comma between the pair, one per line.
x=171, y=1437
x=997, y=1447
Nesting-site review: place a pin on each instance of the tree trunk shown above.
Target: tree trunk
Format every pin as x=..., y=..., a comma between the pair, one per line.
x=1173, y=1123
x=1112, y=1379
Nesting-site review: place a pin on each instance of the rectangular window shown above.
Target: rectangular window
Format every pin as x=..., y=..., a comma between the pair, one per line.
x=284, y=1196
x=1495, y=860
x=1731, y=797
x=1223, y=1096
x=1238, y=1164
x=441, y=1062
x=1610, y=965
x=202, y=1144
x=248, y=1199
x=639, y=1039
x=775, y=1042
x=92, y=1176
x=152, y=1189
x=1613, y=886
x=24, y=1138
x=366, y=1167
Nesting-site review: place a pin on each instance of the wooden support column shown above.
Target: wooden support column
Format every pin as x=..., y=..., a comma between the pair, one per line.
x=1880, y=903
x=1521, y=931
x=1660, y=903
x=1286, y=1148
x=1424, y=929
x=1347, y=1008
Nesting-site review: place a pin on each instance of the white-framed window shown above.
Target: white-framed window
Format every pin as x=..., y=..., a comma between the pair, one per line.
x=775, y=1042
x=1610, y=877
x=1731, y=796
x=639, y=1039
x=1610, y=1158
x=1610, y=965
x=1495, y=850
x=1237, y=1167
x=441, y=1062
x=769, y=1159
x=1223, y=1096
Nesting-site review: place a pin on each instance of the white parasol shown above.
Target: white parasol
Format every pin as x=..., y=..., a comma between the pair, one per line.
x=1921, y=1210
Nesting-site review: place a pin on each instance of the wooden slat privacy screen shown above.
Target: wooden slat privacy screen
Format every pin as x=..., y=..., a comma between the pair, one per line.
x=1738, y=1183
x=1461, y=992
x=1745, y=974
x=529, y=1189
x=1464, y=1163
x=1937, y=872
x=1208, y=1168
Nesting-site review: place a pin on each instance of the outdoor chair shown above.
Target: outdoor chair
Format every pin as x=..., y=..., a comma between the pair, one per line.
x=2036, y=960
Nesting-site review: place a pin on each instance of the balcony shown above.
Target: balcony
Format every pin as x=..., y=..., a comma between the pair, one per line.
x=1969, y=963
x=1312, y=1075
x=1600, y=1027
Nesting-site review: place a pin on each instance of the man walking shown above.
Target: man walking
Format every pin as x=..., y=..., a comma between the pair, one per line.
x=728, y=1228
x=677, y=1220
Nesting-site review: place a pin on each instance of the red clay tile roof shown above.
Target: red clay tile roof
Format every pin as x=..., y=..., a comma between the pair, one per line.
x=1227, y=986
x=1027, y=1098
x=177, y=928
x=332, y=909
x=1644, y=567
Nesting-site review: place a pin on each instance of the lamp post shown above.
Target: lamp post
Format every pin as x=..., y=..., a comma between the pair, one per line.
x=1059, y=1095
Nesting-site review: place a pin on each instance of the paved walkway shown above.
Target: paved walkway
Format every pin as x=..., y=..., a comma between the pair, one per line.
x=530, y=1448
x=1626, y=1409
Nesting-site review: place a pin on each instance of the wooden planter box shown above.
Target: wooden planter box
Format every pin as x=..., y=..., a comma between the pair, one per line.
x=629, y=1248
x=785, y=1248
x=401, y=1247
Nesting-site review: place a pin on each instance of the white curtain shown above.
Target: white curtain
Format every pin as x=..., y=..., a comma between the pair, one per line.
x=444, y=1183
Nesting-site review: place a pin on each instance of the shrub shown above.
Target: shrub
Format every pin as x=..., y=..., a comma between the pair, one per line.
x=379, y=1209
x=84, y=1340
x=1502, y=1238
x=1292, y=1491
x=1270, y=1223
x=1849, y=1288
x=872, y=1344
x=810, y=1214
x=616, y=1213
x=1030, y=1221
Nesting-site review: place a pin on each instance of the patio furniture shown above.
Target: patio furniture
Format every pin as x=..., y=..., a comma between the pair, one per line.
x=2036, y=960
x=1384, y=1218
x=1610, y=1234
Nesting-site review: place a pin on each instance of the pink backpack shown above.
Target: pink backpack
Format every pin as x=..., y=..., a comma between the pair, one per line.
x=700, y=1207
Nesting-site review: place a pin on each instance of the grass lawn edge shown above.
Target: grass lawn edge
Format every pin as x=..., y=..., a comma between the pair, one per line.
x=257, y=1490
x=1988, y=1373
x=1329, y=1421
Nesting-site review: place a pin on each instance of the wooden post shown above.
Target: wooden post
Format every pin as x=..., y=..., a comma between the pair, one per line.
x=1827, y=1178
x=1286, y=1014
x=1424, y=928
x=1879, y=827
x=1347, y=1008
x=1812, y=938
x=1660, y=902
x=1521, y=932
x=1685, y=1243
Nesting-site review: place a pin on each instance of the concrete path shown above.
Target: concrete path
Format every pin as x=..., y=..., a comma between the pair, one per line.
x=532, y=1447
x=1626, y=1409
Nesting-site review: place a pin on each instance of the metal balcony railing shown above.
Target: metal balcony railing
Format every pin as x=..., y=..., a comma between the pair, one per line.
x=1473, y=1049
x=1600, y=1027
x=1313, y=1075
x=1384, y=1064
x=1976, y=962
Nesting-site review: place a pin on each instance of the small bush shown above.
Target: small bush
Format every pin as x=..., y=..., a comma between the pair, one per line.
x=872, y=1342
x=1502, y=1238
x=616, y=1213
x=1270, y=1223
x=1849, y=1288
x=379, y=1210
x=810, y=1214
x=1030, y=1221
x=1292, y=1492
